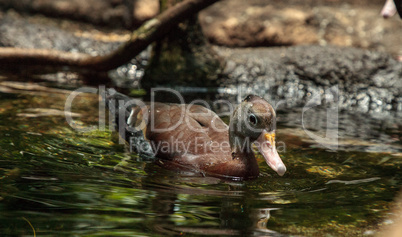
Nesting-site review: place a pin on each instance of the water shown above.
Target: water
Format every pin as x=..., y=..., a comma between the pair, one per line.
x=69, y=183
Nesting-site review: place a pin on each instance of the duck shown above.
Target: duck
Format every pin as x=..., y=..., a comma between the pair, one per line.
x=193, y=138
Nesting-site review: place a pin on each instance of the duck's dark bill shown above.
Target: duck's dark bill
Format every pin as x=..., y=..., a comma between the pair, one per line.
x=266, y=146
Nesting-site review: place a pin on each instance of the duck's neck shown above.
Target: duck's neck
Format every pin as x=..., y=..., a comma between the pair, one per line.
x=239, y=144
x=243, y=163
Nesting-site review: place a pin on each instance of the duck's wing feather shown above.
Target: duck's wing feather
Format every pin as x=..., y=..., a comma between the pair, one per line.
x=190, y=129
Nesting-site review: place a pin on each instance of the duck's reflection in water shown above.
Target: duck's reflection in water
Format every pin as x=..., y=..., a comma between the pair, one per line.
x=181, y=207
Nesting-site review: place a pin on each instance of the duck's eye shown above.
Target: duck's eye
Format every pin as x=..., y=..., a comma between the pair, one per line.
x=252, y=119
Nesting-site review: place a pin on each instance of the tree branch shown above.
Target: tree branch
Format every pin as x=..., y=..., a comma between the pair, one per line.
x=150, y=31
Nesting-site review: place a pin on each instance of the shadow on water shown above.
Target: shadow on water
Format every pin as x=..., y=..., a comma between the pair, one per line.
x=65, y=182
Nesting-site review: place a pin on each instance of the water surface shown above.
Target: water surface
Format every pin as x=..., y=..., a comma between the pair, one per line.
x=65, y=182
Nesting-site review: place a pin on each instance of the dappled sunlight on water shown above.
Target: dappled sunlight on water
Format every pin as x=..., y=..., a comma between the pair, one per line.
x=66, y=182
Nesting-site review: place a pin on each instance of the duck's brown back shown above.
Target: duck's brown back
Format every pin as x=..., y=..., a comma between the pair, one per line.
x=191, y=136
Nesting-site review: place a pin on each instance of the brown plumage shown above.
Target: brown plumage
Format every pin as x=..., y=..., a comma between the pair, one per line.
x=194, y=138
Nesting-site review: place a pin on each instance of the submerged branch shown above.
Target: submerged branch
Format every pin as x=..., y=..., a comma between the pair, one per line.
x=140, y=39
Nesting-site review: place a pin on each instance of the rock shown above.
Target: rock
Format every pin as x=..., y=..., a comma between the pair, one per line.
x=234, y=23
x=365, y=81
x=255, y=23
x=115, y=13
x=260, y=26
x=104, y=12
x=144, y=10
x=22, y=33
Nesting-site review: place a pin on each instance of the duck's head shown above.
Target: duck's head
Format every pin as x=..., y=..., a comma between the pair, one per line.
x=254, y=121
